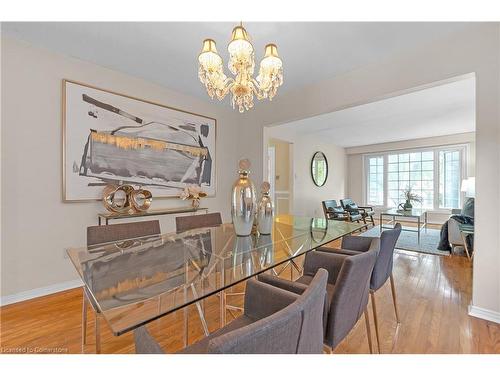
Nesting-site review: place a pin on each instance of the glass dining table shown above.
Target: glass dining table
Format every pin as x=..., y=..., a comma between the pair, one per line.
x=137, y=281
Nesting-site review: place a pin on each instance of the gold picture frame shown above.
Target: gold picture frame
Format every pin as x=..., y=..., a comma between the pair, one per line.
x=64, y=113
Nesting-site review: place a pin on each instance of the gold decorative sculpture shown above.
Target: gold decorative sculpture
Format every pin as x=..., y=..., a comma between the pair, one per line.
x=141, y=199
x=124, y=199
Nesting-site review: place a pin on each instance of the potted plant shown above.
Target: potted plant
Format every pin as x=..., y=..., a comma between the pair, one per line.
x=194, y=193
x=410, y=197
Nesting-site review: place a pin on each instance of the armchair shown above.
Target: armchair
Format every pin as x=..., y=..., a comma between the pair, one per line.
x=366, y=212
x=454, y=235
x=333, y=211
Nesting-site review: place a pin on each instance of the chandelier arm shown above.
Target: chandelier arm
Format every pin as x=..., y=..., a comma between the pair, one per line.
x=228, y=83
x=256, y=84
x=259, y=91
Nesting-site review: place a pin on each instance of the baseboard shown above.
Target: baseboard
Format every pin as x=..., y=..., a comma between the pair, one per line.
x=478, y=312
x=39, y=292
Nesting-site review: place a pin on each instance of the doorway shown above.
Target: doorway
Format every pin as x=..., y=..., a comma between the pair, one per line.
x=279, y=174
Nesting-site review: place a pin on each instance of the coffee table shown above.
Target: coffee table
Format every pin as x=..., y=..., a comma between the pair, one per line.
x=415, y=213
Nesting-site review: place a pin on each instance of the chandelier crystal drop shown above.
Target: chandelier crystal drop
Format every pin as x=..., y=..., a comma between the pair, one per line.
x=241, y=64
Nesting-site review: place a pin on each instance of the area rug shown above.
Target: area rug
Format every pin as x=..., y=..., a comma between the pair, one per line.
x=429, y=239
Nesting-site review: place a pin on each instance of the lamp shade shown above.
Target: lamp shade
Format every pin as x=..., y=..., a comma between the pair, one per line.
x=209, y=58
x=271, y=50
x=239, y=32
x=465, y=184
x=209, y=46
x=240, y=43
x=469, y=187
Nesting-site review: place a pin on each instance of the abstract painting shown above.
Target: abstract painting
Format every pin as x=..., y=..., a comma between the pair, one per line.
x=117, y=139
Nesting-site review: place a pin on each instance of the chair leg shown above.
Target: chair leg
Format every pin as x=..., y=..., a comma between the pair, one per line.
x=373, y=221
x=394, y=300
x=200, y=312
x=222, y=308
x=360, y=229
x=97, y=333
x=375, y=319
x=84, y=320
x=368, y=330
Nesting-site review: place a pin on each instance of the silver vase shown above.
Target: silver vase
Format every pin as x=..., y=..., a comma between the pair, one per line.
x=243, y=201
x=242, y=257
x=266, y=250
x=265, y=211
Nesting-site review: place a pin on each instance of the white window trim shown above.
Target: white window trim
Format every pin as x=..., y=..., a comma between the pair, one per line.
x=464, y=152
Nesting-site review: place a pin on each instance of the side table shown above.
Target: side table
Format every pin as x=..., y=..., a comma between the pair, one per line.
x=467, y=230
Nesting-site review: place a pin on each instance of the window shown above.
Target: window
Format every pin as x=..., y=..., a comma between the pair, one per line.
x=449, y=179
x=433, y=174
x=376, y=180
x=411, y=170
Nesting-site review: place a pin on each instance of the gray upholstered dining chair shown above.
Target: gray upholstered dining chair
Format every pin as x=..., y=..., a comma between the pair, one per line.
x=183, y=223
x=275, y=321
x=354, y=245
x=101, y=234
x=347, y=290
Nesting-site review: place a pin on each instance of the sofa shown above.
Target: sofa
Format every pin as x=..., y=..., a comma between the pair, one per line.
x=454, y=236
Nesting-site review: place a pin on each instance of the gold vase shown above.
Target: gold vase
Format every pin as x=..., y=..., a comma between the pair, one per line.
x=195, y=203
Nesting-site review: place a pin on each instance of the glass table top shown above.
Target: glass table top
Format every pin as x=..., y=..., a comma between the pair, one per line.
x=414, y=212
x=135, y=281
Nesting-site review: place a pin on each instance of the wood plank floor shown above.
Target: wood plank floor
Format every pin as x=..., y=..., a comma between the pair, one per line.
x=433, y=294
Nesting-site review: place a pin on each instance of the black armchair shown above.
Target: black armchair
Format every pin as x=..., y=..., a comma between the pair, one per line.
x=333, y=211
x=366, y=212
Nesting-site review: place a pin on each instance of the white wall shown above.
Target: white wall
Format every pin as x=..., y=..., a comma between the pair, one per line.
x=307, y=196
x=476, y=50
x=37, y=225
x=356, y=175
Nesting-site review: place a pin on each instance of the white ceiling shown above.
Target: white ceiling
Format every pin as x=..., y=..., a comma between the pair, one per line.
x=166, y=53
x=440, y=110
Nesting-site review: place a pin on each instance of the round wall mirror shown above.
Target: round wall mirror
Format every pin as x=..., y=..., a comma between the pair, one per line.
x=319, y=168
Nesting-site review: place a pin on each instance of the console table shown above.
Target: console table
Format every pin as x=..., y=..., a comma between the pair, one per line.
x=107, y=216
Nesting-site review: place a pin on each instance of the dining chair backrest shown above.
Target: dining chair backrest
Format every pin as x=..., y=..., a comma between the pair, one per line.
x=384, y=263
x=350, y=296
x=116, y=232
x=183, y=223
x=297, y=328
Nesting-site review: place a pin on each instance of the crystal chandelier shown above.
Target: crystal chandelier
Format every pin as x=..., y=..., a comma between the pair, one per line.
x=241, y=64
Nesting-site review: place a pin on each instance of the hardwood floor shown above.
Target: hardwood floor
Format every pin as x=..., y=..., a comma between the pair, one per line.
x=433, y=295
